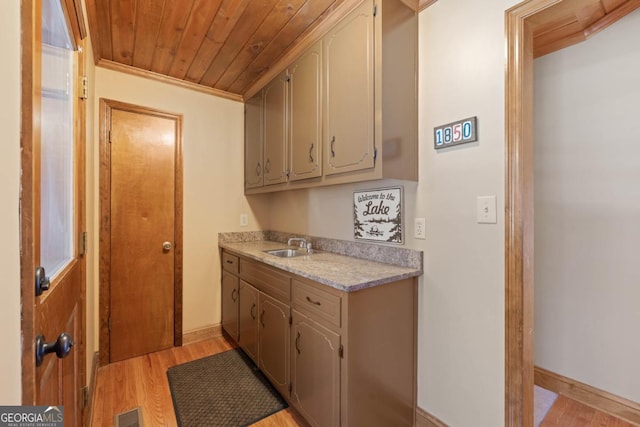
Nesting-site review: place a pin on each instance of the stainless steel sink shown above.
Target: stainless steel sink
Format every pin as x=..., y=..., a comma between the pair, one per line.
x=286, y=253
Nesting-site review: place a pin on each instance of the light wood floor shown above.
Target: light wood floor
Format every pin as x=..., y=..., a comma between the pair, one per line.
x=569, y=413
x=142, y=382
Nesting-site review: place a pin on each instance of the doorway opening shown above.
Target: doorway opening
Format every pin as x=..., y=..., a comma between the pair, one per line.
x=521, y=22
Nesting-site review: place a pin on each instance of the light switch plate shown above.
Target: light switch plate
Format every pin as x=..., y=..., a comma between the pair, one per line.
x=244, y=220
x=486, y=210
x=420, y=231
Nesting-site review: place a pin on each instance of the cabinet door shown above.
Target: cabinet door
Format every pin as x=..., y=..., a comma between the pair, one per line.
x=315, y=371
x=349, y=93
x=275, y=130
x=274, y=342
x=253, y=142
x=305, y=117
x=248, y=339
x=230, y=304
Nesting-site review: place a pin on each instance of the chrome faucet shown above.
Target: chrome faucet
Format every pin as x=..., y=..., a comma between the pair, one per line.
x=303, y=243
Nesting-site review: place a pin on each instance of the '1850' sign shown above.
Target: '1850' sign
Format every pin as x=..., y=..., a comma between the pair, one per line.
x=455, y=133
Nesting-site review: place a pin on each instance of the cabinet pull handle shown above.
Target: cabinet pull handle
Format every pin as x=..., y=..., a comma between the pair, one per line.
x=229, y=261
x=310, y=153
x=298, y=342
x=313, y=302
x=262, y=318
x=233, y=295
x=258, y=169
x=333, y=141
x=267, y=166
x=253, y=316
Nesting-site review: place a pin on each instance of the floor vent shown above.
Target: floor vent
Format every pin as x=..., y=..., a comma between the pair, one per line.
x=132, y=418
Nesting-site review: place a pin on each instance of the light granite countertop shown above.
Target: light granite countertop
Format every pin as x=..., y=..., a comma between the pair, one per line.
x=342, y=272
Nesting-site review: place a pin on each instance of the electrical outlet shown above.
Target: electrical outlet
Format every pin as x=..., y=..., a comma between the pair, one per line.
x=244, y=220
x=419, y=231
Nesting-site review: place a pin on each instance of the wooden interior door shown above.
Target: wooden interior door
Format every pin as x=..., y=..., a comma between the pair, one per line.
x=144, y=230
x=52, y=210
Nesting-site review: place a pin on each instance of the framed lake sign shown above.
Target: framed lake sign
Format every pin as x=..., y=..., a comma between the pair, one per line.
x=377, y=215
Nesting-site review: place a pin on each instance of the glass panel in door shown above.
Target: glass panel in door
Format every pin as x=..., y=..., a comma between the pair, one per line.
x=57, y=142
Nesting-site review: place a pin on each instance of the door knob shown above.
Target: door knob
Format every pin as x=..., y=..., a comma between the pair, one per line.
x=166, y=246
x=62, y=347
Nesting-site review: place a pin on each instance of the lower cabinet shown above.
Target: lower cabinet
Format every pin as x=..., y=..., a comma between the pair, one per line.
x=274, y=341
x=230, y=296
x=339, y=358
x=315, y=371
x=248, y=313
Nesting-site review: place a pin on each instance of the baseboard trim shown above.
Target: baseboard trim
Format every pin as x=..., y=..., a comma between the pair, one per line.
x=425, y=419
x=202, y=334
x=92, y=387
x=601, y=400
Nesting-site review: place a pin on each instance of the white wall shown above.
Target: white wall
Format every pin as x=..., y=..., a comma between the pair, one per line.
x=587, y=210
x=10, y=365
x=213, y=181
x=461, y=307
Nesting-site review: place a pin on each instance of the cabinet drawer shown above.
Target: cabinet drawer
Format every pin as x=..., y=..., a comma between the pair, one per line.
x=230, y=263
x=323, y=305
x=268, y=280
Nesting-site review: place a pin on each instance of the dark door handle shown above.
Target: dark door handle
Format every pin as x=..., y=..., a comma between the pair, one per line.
x=298, y=342
x=233, y=295
x=253, y=316
x=62, y=347
x=42, y=281
x=262, y=318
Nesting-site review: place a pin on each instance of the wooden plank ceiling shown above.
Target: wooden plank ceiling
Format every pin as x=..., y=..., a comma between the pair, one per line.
x=573, y=21
x=229, y=47
x=220, y=44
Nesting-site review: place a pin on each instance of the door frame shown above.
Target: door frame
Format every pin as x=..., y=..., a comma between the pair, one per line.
x=519, y=219
x=106, y=105
x=30, y=50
